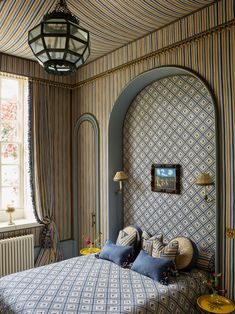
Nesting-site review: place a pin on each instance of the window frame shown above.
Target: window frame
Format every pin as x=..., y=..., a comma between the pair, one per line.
x=25, y=209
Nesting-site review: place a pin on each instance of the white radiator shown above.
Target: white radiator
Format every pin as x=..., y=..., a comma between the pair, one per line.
x=16, y=254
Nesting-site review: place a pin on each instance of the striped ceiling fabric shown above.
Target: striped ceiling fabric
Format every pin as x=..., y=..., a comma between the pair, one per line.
x=111, y=23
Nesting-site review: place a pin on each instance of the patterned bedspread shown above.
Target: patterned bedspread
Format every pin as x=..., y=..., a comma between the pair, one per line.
x=89, y=285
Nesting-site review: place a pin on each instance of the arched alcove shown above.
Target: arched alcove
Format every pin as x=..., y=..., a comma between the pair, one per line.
x=115, y=143
x=86, y=136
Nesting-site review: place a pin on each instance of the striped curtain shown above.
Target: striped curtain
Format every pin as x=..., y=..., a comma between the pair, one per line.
x=44, y=102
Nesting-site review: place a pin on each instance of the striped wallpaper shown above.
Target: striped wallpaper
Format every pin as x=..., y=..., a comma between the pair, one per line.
x=111, y=23
x=86, y=188
x=212, y=56
x=201, y=21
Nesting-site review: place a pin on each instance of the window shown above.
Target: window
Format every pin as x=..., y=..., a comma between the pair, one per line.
x=14, y=165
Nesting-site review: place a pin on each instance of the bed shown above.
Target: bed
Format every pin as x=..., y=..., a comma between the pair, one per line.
x=89, y=285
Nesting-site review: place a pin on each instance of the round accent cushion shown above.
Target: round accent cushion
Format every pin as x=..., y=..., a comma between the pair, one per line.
x=187, y=254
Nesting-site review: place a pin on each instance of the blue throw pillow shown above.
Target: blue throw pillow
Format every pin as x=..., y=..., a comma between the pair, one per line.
x=118, y=254
x=156, y=268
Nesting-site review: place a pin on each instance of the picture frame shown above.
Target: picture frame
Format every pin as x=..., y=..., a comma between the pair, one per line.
x=165, y=178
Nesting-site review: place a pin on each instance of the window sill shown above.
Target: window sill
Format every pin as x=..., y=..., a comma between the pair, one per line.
x=19, y=224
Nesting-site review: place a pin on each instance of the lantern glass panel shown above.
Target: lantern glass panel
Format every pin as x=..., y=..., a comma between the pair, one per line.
x=37, y=45
x=79, y=33
x=56, y=55
x=56, y=20
x=35, y=32
x=43, y=57
x=55, y=28
x=71, y=58
x=79, y=63
x=55, y=42
x=76, y=46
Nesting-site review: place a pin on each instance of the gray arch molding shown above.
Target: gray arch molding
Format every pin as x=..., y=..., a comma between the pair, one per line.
x=114, y=201
x=87, y=117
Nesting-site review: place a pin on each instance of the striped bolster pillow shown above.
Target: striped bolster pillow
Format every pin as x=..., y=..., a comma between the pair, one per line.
x=206, y=261
x=126, y=239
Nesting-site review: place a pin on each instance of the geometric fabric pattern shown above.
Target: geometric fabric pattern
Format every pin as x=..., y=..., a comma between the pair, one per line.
x=148, y=241
x=172, y=120
x=126, y=239
x=89, y=285
x=169, y=251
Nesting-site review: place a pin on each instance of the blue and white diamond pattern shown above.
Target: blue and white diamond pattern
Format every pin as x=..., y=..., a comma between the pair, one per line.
x=88, y=285
x=171, y=121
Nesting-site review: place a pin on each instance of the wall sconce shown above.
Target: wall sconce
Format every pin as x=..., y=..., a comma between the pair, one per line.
x=204, y=179
x=120, y=176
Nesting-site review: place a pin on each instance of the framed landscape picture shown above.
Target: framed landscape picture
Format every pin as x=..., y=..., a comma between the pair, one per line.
x=165, y=178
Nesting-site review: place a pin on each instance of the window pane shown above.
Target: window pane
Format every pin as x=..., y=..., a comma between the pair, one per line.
x=14, y=166
x=10, y=89
x=10, y=195
x=8, y=132
x=10, y=153
x=8, y=110
x=10, y=175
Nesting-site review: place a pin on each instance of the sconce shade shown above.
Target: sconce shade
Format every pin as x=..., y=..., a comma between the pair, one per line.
x=204, y=179
x=120, y=176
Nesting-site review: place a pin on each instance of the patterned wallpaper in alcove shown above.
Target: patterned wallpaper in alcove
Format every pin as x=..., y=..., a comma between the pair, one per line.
x=171, y=121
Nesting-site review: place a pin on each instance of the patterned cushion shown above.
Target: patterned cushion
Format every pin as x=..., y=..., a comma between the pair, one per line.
x=206, y=261
x=187, y=254
x=148, y=241
x=161, y=250
x=130, y=235
x=125, y=238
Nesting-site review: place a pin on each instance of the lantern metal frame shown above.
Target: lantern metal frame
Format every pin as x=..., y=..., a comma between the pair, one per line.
x=69, y=59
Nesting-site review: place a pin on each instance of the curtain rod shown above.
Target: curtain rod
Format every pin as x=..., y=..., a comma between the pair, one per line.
x=33, y=78
x=48, y=82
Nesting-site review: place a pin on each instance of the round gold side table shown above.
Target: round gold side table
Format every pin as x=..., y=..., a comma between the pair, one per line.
x=215, y=304
x=89, y=250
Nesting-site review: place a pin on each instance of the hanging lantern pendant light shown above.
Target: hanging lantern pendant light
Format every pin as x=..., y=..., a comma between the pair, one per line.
x=60, y=45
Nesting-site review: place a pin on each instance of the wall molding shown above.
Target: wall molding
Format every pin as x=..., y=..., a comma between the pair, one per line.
x=86, y=117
